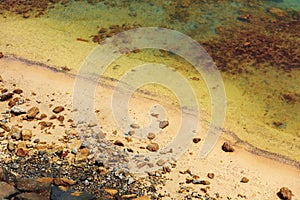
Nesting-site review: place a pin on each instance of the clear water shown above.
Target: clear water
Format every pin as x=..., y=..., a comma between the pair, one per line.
x=257, y=111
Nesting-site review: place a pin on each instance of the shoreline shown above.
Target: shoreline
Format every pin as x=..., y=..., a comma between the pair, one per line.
x=226, y=135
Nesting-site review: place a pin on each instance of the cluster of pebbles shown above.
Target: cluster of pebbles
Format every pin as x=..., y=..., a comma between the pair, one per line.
x=80, y=163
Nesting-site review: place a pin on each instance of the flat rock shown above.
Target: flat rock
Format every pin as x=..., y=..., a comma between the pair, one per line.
x=32, y=112
x=58, y=194
x=31, y=196
x=32, y=185
x=163, y=124
x=244, y=180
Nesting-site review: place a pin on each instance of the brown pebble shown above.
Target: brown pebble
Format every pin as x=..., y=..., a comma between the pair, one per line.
x=152, y=147
x=58, y=109
x=160, y=162
x=196, y=140
x=211, y=175
x=244, y=180
x=18, y=91
x=21, y=152
x=61, y=118
x=227, y=147
x=32, y=112
x=1, y=56
x=163, y=124
x=119, y=143
x=151, y=136
x=285, y=193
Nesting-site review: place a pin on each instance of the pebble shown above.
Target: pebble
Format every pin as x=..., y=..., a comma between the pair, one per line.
x=203, y=182
x=163, y=124
x=135, y=126
x=285, y=193
x=211, y=175
x=153, y=147
x=151, y=136
x=227, y=147
x=32, y=112
x=244, y=180
x=119, y=143
x=18, y=91
x=196, y=140
x=26, y=135
x=58, y=109
x=4, y=127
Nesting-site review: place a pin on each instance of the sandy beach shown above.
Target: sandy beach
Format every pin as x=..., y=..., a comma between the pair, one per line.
x=265, y=175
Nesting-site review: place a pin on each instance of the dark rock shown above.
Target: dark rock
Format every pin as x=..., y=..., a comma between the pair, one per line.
x=32, y=185
x=22, y=152
x=31, y=196
x=7, y=190
x=18, y=91
x=5, y=96
x=163, y=124
x=135, y=126
x=285, y=193
x=17, y=110
x=58, y=109
x=227, y=147
x=58, y=194
x=3, y=174
x=13, y=102
x=196, y=140
x=119, y=143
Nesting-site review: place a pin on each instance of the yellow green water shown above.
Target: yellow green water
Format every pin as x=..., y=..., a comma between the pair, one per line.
x=254, y=99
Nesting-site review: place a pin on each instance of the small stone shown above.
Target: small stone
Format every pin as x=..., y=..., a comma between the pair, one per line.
x=160, y=162
x=11, y=146
x=32, y=112
x=196, y=140
x=151, y=136
x=285, y=193
x=22, y=152
x=244, y=180
x=58, y=109
x=61, y=118
x=119, y=143
x=111, y=192
x=5, y=96
x=26, y=135
x=74, y=151
x=82, y=154
x=163, y=124
x=52, y=117
x=153, y=147
x=16, y=135
x=17, y=110
x=26, y=15
x=128, y=196
x=63, y=182
x=227, y=147
x=203, y=182
x=135, y=126
x=18, y=91
x=4, y=126
x=211, y=175
x=37, y=140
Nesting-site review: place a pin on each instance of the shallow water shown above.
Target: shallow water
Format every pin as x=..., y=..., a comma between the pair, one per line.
x=262, y=103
